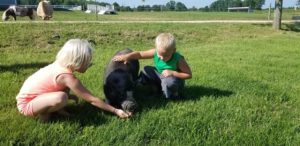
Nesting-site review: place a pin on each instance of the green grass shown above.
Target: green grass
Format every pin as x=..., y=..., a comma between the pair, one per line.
x=244, y=90
x=165, y=16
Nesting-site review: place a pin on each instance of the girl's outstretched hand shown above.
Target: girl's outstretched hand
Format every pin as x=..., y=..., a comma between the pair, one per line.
x=73, y=97
x=121, y=113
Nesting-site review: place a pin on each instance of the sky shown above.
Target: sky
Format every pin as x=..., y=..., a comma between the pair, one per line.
x=188, y=3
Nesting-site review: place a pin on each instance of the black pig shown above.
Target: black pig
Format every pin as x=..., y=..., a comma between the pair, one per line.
x=119, y=82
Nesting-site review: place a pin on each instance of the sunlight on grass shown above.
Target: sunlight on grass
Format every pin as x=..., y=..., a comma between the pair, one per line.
x=244, y=89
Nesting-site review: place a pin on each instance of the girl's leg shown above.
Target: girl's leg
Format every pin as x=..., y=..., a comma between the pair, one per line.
x=48, y=103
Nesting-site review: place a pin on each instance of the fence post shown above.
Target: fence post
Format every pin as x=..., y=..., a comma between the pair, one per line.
x=96, y=12
x=269, y=14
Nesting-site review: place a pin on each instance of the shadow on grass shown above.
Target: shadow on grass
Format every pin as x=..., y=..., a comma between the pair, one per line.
x=263, y=25
x=61, y=9
x=196, y=92
x=84, y=114
x=285, y=27
x=17, y=67
x=292, y=27
x=191, y=93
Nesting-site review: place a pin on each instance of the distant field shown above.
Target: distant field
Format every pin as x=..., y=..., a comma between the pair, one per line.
x=167, y=16
x=244, y=91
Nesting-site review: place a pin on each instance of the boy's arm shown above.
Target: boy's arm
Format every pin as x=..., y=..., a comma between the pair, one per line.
x=75, y=85
x=184, y=70
x=135, y=55
x=147, y=54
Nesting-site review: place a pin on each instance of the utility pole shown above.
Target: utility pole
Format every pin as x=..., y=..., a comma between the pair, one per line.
x=277, y=15
x=96, y=4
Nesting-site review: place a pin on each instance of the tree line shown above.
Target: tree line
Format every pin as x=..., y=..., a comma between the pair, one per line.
x=218, y=5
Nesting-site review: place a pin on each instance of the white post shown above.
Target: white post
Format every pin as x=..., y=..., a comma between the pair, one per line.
x=96, y=12
x=269, y=15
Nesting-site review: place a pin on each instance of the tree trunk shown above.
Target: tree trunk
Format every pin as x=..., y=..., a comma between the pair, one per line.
x=277, y=14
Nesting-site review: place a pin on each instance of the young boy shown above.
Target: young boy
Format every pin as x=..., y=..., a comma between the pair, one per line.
x=171, y=69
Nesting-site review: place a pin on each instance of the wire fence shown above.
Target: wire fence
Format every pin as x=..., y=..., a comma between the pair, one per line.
x=69, y=7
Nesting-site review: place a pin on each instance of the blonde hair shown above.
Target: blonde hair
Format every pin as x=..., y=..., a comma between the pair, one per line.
x=165, y=41
x=75, y=53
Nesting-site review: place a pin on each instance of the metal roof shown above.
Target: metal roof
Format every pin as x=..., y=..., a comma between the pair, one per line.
x=8, y=2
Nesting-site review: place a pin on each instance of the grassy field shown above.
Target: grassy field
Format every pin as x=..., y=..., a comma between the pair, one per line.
x=166, y=16
x=244, y=91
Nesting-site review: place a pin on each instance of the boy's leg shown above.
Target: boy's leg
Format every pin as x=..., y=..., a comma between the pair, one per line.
x=149, y=76
x=48, y=103
x=172, y=87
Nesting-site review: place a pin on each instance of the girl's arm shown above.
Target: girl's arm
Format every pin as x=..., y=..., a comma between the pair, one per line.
x=135, y=55
x=75, y=85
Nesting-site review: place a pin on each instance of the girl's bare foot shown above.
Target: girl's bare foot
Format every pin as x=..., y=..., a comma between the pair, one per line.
x=63, y=113
x=44, y=118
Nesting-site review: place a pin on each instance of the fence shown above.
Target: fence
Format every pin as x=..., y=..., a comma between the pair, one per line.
x=69, y=7
x=239, y=9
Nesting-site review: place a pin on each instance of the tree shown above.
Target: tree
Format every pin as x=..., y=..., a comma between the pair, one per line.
x=206, y=9
x=277, y=14
x=147, y=8
x=254, y=4
x=140, y=8
x=235, y=3
x=144, y=8
x=219, y=5
x=193, y=9
x=116, y=6
x=171, y=5
x=180, y=7
x=157, y=7
x=125, y=8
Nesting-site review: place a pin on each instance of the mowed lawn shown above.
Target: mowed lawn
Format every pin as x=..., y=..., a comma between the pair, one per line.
x=244, y=91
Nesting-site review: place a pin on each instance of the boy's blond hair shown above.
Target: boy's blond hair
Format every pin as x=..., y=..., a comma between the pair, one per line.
x=165, y=41
x=75, y=53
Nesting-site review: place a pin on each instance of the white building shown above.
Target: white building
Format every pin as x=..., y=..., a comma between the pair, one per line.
x=108, y=9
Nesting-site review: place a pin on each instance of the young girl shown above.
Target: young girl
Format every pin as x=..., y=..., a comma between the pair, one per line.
x=171, y=69
x=44, y=91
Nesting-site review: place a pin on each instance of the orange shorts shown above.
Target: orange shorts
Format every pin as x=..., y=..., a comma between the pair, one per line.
x=24, y=105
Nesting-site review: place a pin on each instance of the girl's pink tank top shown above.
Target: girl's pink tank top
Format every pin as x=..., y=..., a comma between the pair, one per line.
x=44, y=81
